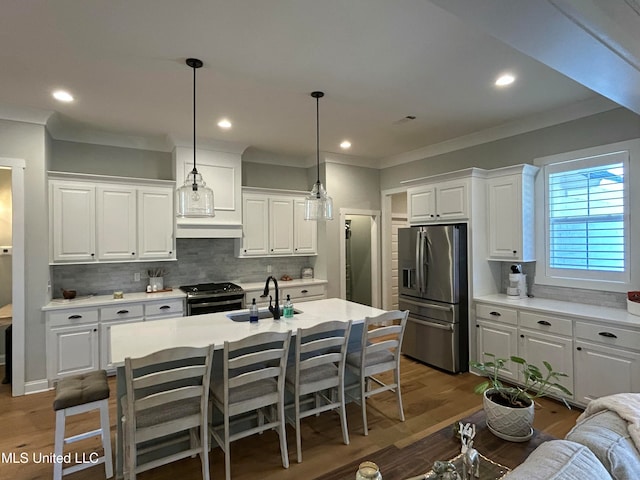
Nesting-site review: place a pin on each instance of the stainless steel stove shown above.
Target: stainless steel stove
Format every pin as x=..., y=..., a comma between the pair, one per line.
x=213, y=297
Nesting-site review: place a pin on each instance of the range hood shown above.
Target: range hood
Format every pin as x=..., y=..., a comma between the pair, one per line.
x=221, y=168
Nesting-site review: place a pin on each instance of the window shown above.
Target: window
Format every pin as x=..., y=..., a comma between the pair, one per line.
x=585, y=219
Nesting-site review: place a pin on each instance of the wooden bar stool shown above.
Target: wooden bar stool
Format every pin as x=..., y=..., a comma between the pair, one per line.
x=80, y=394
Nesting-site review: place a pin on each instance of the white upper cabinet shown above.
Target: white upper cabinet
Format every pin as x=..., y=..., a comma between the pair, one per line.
x=96, y=218
x=155, y=225
x=280, y=226
x=439, y=202
x=222, y=172
x=273, y=224
x=510, y=198
x=305, y=232
x=116, y=222
x=73, y=221
x=255, y=213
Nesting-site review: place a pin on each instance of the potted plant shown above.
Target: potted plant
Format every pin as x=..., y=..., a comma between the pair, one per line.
x=510, y=409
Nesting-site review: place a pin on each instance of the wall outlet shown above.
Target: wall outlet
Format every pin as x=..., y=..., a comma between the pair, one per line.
x=136, y=277
x=269, y=269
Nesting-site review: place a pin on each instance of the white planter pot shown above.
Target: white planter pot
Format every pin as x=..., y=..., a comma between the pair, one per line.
x=511, y=422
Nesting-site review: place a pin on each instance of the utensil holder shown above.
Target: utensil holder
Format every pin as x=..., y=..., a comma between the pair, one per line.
x=156, y=283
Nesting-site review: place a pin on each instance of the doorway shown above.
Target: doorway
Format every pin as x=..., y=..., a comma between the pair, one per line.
x=12, y=266
x=359, y=256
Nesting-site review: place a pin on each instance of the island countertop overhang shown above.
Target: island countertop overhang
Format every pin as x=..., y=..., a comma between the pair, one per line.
x=137, y=339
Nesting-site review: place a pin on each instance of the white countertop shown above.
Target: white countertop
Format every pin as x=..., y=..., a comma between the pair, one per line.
x=142, y=338
x=616, y=316
x=98, y=300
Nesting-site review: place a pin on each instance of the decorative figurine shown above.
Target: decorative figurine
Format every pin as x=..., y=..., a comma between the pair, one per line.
x=467, y=434
x=445, y=470
x=470, y=463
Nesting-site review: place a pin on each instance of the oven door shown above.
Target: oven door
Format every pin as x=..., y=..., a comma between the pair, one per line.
x=200, y=306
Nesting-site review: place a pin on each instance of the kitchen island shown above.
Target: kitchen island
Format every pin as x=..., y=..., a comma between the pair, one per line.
x=142, y=338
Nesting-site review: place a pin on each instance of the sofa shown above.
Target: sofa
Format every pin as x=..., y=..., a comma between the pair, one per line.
x=602, y=445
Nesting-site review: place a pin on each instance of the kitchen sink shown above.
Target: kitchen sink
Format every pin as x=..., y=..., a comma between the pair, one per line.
x=244, y=316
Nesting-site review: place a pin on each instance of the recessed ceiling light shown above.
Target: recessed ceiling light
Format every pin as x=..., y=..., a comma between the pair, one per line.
x=504, y=80
x=345, y=145
x=63, y=96
x=224, y=123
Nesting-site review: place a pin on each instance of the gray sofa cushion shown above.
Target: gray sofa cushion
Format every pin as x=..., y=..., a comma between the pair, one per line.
x=560, y=460
x=607, y=436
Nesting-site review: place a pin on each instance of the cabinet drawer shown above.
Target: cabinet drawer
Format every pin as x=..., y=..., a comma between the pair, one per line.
x=608, y=335
x=303, y=291
x=546, y=323
x=121, y=312
x=173, y=307
x=73, y=317
x=497, y=314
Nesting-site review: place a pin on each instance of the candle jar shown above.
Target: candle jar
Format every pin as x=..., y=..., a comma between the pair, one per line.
x=368, y=471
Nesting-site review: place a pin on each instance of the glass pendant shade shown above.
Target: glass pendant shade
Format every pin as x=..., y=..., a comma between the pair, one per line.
x=318, y=205
x=194, y=198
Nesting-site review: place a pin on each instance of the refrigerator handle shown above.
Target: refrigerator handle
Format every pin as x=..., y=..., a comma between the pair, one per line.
x=417, y=260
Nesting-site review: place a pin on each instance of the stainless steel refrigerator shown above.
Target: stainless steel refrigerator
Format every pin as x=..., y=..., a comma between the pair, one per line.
x=432, y=268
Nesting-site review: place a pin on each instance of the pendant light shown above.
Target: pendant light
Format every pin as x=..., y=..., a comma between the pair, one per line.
x=318, y=205
x=194, y=198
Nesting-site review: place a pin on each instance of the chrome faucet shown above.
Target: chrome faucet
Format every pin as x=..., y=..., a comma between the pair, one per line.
x=275, y=311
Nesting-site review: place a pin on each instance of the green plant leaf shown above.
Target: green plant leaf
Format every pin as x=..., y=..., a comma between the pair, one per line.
x=548, y=365
x=518, y=360
x=482, y=387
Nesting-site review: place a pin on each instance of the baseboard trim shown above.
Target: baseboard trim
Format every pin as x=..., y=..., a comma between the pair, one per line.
x=36, y=386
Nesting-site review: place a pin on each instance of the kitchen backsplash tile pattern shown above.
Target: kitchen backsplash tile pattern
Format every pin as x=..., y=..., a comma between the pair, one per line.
x=578, y=295
x=199, y=260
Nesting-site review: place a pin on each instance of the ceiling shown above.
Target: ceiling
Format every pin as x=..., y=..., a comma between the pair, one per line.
x=377, y=61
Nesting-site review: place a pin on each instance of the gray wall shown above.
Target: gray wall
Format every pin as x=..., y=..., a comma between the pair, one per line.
x=350, y=187
x=261, y=169
x=607, y=127
x=30, y=142
x=104, y=160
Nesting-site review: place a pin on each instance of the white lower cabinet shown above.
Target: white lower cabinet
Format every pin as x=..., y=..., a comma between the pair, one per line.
x=497, y=333
x=599, y=357
x=536, y=348
x=115, y=315
x=500, y=340
x=79, y=339
x=607, y=360
x=602, y=371
x=157, y=310
x=72, y=343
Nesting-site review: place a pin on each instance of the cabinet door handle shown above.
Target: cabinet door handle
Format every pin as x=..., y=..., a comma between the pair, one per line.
x=607, y=334
x=133, y=253
x=521, y=336
x=165, y=307
x=122, y=312
x=93, y=254
x=495, y=314
x=74, y=317
x=304, y=291
x=95, y=329
x=544, y=322
x=579, y=349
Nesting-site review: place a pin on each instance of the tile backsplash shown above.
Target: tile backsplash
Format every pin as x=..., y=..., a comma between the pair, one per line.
x=199, y=260
x=578, y=295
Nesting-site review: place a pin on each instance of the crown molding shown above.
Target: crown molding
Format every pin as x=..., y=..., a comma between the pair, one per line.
x=536, y=122
x=207, y=144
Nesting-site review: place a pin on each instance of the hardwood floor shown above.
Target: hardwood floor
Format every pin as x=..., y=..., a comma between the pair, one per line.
x=432, y=399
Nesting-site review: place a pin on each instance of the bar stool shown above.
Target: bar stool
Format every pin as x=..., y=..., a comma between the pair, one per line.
x=80, y=394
